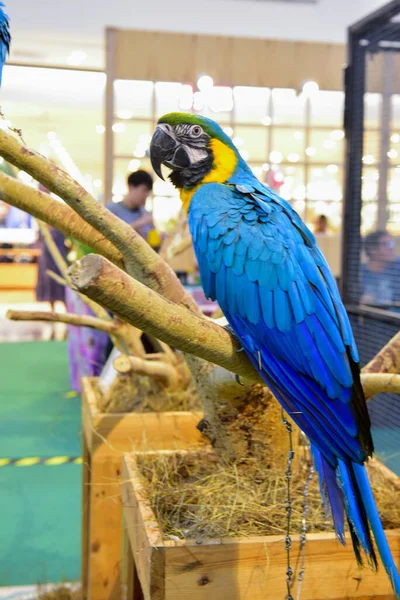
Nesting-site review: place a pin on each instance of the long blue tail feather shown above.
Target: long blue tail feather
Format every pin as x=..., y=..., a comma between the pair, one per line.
x=355, y=510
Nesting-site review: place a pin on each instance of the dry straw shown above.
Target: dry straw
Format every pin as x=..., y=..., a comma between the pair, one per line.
x=199, y=498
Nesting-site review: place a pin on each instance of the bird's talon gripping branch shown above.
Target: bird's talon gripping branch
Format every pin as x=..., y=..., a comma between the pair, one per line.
x=237, y=377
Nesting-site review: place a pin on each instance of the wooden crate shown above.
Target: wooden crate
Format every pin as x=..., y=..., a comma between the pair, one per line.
x=105, y=437
x=236, y=569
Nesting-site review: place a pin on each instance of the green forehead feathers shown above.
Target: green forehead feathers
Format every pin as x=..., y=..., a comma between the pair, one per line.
x=209, y=126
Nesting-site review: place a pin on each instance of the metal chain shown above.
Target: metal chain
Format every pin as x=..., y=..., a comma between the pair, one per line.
x=303, y=534
x=288, y=507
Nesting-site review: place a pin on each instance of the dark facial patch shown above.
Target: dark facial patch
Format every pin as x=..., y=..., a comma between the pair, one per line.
x=191, y=176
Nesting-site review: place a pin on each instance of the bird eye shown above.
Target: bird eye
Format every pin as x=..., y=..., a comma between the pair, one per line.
x=195, y=131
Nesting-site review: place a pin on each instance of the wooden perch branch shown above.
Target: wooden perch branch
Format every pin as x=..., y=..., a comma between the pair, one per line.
x=140, y=260
x=158, y=369
x=68, y=318
x=378, y=383
x=388, y=358
x=55, y=213
x=174, y=325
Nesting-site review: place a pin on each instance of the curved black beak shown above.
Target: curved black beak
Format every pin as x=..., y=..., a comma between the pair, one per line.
x=164, y=149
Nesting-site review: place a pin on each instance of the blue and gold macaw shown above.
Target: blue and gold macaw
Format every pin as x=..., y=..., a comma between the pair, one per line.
x=5, y=38
x=262, y=264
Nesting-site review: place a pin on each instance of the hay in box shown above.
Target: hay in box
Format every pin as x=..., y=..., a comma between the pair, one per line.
x=196, y=497
x=131, y=392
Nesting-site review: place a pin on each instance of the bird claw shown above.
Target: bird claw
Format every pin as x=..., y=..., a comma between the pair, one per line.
x=237, y=377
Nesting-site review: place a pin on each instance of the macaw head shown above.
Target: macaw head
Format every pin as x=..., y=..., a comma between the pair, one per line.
x=195, y=148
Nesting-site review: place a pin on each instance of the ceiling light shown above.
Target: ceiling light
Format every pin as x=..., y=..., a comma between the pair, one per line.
x=205, y=83
x=298, y=135
x=311, y=151
x=275, y=157
x=395, y=138
x=134, y=165
x=310, y=87
x=392, y=153
x=76, y=58
x=118, y=128
x=337, y=134
x=368, y=159
x=125, y=114
x=293, y=157
x=265, y=167
x=100, y=129
x=332, y=168
x=266, y=121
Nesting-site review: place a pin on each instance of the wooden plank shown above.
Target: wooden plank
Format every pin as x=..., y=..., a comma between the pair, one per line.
x=253, y=567
x=145, y=540
x=87, y=425
x=106, y=437
x=256, y=570
x=85, y=516
x=105, y=532
x=135, y=431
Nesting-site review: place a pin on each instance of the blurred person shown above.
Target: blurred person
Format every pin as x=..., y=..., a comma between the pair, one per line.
x=380, y=276
x=321, y=224
x=131, y=209
x=47, y=289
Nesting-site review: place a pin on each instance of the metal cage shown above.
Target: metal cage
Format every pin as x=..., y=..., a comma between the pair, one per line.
x=372, y=199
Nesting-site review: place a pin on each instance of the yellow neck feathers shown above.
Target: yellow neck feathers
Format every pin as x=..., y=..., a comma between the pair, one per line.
x=225, y=162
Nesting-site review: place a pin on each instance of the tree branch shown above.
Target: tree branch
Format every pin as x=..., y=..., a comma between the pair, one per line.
x=388, y=358
x=134, y=303
x=55, y=213
x=159, y=369
x=140, y=259
x=57, y=278
x=70, y=319
x=379, y=383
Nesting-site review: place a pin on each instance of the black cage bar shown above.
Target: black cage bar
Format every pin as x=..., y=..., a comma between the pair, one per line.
x=372, y=196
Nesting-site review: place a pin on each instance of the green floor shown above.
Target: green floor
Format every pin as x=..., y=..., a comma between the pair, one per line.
x=39, y=505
